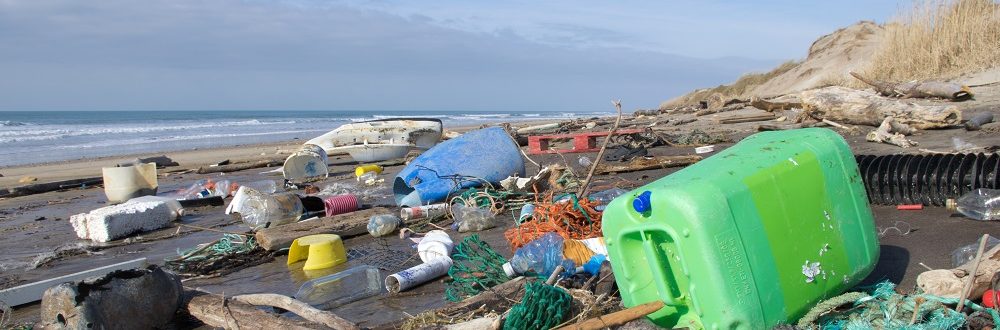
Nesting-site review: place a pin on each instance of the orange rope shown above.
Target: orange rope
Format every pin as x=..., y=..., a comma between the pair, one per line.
x=566, y=219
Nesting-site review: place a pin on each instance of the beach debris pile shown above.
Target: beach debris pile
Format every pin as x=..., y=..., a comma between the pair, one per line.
x=513, y=234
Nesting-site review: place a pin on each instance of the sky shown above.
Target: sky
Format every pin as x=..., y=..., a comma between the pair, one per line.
x=395, y=55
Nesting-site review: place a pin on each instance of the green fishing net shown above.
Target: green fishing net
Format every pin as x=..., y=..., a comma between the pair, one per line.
x=884, y=308
x=475, y=268
x=543, y=307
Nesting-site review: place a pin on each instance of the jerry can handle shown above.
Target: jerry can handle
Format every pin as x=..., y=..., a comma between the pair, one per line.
x=661, y=273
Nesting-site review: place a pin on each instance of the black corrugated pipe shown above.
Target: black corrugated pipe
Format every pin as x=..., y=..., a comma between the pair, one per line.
x=926, y=179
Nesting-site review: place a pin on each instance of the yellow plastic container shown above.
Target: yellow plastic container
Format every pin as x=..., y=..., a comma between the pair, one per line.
x=361, y=170
x=325, y=251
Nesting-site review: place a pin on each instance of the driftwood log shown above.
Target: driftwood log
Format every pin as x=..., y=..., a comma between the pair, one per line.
x=919, y=89
x=850, y=106
x=346, y=225
x=39, y=188
x=240, y=166
x=232, y=313
x=656, y=162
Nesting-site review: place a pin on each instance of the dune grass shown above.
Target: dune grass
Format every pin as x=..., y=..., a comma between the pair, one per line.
x=938, y=39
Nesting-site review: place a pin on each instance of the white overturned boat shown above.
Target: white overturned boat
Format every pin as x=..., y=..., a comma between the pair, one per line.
x=369, y=141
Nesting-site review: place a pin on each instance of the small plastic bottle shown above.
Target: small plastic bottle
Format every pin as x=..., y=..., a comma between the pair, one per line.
x=539, y=257
x=471, y=218
x=341, y=288
x=383, y=224
x=979, y=204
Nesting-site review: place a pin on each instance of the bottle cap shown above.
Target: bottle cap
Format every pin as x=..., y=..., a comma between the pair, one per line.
x=641, y=203
x=508, y=269
x=950, y=204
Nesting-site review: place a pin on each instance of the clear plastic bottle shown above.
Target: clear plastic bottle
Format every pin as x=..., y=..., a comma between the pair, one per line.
x=606, y=196
x=341, y=288
x=979, y=204
x=966, y=253
x=261, y=210
x=383, y=224
x=471, y=218
x=539, y=257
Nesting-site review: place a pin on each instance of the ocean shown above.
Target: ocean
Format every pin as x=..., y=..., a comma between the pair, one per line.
x=31, y=137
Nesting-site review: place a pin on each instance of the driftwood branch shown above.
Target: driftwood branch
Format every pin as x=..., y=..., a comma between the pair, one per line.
x=299, y=308
x=616, y=318
x=892, y=133
x=218, y=311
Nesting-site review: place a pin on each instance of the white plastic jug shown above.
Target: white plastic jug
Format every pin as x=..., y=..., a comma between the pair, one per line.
x=124, y=183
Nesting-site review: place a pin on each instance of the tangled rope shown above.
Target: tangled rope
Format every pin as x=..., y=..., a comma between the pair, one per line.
x=543, y=307
x=886, y=309
x=574, y=219
x=475, y=267
x=489, y=198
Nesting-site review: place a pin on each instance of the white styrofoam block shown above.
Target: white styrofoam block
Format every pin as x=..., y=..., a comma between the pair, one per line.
x=116, y=221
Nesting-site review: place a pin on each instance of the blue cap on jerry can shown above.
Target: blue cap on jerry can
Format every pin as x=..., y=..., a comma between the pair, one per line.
x=641, y=203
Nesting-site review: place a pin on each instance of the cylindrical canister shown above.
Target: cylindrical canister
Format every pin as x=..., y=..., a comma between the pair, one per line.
x=341, y=204
x=426, y=211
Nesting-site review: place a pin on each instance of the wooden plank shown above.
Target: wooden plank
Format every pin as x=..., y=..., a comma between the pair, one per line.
x=346, y=225
x=656, y=162
x=32, y=292
x=746, y=118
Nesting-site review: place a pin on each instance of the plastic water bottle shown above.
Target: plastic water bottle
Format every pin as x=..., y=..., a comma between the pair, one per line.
x=341, y=288
x=383, y=224
x=979, y=204
x=470, y=218
x=539, y=257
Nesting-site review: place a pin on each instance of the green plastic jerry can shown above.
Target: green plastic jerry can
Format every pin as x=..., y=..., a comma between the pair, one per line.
x=749, y=238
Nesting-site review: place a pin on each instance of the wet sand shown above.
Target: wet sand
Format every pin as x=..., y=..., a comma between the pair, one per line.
x=37, y=225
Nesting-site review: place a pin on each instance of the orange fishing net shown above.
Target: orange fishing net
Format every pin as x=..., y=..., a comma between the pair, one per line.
x=572, y=219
